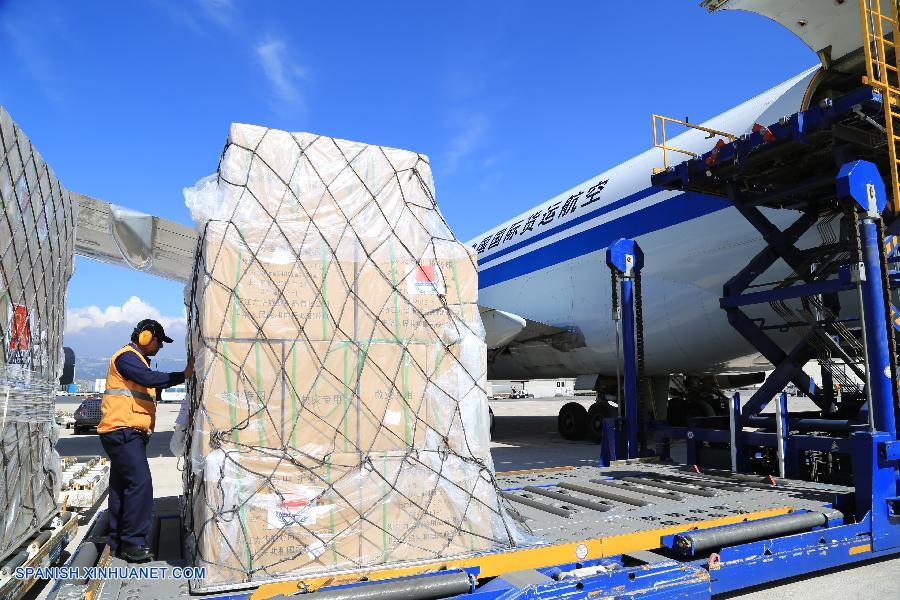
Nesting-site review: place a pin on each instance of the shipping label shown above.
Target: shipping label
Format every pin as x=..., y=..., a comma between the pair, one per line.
x=296, y=509
x=426, y=280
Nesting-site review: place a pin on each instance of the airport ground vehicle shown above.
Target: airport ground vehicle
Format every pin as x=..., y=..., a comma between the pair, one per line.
x=87, y=415
x=173, y=394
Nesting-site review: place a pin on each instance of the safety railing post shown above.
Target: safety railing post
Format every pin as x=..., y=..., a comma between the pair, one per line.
x=736, y=428
x=783, y=430
x=860, y=181
x=626, y=258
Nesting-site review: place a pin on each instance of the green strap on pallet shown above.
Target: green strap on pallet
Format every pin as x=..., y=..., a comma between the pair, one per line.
x=261, y=406
x=242, y=513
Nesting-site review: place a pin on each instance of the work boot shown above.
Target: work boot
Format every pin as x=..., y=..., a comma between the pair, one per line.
x=135, y=554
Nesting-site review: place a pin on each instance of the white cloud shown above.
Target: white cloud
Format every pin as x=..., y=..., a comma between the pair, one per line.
x=219, y=11
x=133, y=310
x=179, y=15
x=472, y=129
x=283, y=75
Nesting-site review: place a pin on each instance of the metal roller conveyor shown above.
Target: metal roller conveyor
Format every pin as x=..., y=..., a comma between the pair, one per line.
x=16, y=561
x=560, y=512
x=706, y=493
x=709, y=539
x=604, y=494
x=39, y=541
x=638, y=490
x=742, y=479
x=702, y=480
x=589, y=504
x=412, y=588
x=86, y=556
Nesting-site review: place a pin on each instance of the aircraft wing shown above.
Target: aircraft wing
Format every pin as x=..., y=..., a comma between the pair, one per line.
x=504, y=328
x=831, y=29
x=121, y=236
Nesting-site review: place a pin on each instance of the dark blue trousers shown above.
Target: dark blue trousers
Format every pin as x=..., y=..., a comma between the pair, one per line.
x=130, y=487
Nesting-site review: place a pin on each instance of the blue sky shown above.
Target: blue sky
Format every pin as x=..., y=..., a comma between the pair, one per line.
x=513, y=101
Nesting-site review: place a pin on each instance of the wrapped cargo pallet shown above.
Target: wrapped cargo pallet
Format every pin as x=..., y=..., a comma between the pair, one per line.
x=37, y=236
x=339, y=415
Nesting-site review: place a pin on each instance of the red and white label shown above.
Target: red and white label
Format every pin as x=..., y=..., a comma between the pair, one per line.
x=426, y=279
x=296, y=509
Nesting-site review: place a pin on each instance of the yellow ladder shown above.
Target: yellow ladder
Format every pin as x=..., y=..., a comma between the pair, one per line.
x=884, y=75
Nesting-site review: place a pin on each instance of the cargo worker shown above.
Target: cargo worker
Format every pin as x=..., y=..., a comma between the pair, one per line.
x=128, y=416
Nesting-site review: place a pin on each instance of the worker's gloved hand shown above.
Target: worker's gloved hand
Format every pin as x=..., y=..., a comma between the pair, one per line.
x=177, y=443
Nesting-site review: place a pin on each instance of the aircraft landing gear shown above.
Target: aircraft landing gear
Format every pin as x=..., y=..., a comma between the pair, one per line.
x=572, y=421
x=576, y=423
x=694, y=396
x=599, y=410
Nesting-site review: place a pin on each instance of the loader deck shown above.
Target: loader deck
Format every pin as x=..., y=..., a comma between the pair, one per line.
x=582, y=513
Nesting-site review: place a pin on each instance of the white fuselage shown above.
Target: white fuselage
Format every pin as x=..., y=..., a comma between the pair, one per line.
x=555, y=270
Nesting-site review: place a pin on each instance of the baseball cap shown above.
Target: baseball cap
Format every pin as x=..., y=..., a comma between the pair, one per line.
x=153, y=327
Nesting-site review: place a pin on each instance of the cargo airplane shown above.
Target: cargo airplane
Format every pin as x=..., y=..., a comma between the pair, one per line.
x=544, y=287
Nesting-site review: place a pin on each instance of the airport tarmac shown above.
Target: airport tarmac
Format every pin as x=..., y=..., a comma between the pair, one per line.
x=525, y=437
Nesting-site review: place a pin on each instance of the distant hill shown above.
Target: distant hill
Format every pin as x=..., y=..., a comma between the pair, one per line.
x=94, y=345
x=90, y=368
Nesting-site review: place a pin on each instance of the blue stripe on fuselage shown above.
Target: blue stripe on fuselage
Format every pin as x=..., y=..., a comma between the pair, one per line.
x=671, y=211
x=573, y=222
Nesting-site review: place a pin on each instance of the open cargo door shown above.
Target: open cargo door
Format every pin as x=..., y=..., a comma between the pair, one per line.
x=831, y=28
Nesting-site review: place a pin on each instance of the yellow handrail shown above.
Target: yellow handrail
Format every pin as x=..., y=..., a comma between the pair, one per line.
x=661, y=129
x=884, y=77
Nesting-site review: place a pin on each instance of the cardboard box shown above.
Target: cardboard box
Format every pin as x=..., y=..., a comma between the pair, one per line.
x=262, y=517
x=267, y=288
x=324, y=397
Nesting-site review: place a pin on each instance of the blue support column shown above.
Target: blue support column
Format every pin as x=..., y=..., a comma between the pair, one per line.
x=629, y=347
x=877, y=349
x=609, y=451
x=625, y=257
x=861, y=181
x=692, y=457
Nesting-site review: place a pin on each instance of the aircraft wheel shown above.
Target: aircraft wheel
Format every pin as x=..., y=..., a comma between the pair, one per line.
x=595, y=415
x=572, y=421
x=698, y=408
x=679, y=411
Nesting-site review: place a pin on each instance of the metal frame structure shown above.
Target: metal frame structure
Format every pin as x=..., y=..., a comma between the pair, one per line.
x=794, y=167
x=621, y=434
x=44, y=548
x=638, y=528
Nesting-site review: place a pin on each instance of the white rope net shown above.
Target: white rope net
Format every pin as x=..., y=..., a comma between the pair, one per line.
x=37, y=236
x=339, y=415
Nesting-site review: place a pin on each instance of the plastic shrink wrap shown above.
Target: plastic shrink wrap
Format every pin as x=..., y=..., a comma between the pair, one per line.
x=339, y=419
x=37, y=236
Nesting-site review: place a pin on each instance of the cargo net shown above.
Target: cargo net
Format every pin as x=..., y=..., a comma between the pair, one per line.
x=37, y=236
x=339, y=419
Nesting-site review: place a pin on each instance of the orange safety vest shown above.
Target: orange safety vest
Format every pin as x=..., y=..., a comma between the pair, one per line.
x=126, y=403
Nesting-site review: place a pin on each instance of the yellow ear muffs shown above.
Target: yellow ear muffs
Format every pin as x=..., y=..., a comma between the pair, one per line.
x=144, y=337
